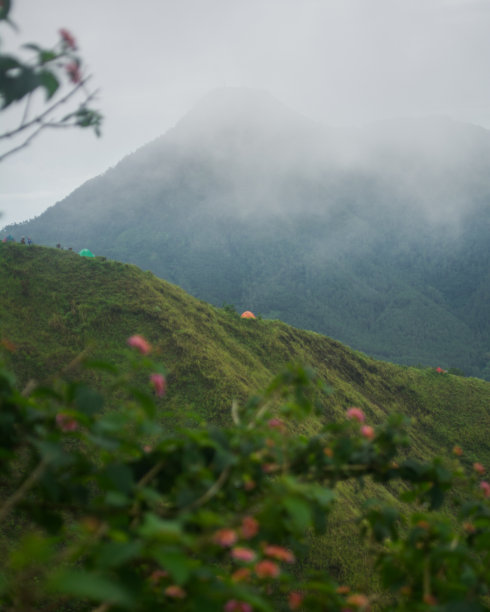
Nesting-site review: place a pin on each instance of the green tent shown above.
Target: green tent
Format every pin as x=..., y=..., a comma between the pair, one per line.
x=86, y=253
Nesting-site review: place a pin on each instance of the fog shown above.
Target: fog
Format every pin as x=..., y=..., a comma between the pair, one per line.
x=338, y=63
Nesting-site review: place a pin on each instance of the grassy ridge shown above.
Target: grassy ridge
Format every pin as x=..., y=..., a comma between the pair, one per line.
x=55, y=304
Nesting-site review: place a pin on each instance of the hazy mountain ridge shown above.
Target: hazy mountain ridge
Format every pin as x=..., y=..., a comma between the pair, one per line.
x=377, y=237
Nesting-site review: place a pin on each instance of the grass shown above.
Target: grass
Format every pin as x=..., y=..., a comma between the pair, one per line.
x=55, y=304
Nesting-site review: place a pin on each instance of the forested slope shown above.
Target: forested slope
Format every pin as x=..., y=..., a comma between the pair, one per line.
x=375, y=237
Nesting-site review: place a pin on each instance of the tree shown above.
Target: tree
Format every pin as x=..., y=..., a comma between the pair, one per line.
x=59, y=73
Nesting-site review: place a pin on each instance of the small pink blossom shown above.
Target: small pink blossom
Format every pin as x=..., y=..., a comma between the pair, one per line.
x=479, y=468
x=279, y=553
x=237, y=606
x=73, y=70
x=66, y=422
x=358, y=600
x=241, y=574
x=68, y=38
x=175, y=591
x=225, y=537
x=485, y=487
x=267, y=569
x=367, y=432
x=277, y=424
x=249, y=527
x=159, y=384
x=139, y=343
x=295, y=599
x=356, y=414
x=240, y=553
x=440, y=371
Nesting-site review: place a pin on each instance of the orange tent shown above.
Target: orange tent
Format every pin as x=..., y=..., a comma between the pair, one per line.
x=247, y=315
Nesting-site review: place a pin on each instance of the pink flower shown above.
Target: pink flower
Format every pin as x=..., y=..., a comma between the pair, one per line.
x=68, y=38
x=66, y=422
x=139, y=343
x=175, y=591
x=73, y=70
x=295, y=600
x=237, y=606
x=478, y=467
x=440, y=371
x=267, y=569
x=225, y=537
x=358, y=600
x=240, y=553
x=277, y=424
x=368, y=432
x=249, y=527
x=356, y=414
x=279, y=553
x=241, y=574
x=159, y=384
x=485, y=487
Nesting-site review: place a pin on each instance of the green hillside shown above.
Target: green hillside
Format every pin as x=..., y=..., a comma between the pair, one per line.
x=376, y=237
x=56, y=304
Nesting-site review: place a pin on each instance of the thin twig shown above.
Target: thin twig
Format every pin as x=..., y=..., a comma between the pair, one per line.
x=26, y=109
x=22, y=490
x=48, y=111
x=211, y=492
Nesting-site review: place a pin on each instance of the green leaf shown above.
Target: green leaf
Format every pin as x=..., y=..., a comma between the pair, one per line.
x=175, y=561
x=117, y=476
x=299, y=512
x=5, y=7
x=88, y=400
x=97, y=364
x=154, y=527
x=90, y=585
x=49, y=82
x=112, y=554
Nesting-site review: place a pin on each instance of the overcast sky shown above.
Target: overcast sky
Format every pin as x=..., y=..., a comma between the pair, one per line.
x=341, y=62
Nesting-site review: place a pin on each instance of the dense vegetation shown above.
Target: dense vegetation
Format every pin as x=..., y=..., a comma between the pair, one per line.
x=117, y=512
x=376, y=238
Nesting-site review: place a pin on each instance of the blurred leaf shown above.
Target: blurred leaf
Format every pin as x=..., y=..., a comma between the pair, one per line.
x=299, y=511
x=175, y=561
x=88, y=400
x=49, y=82
x=112, y=554
x=90, y=585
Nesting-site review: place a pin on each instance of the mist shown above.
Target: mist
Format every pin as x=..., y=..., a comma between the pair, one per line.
x=340, y=62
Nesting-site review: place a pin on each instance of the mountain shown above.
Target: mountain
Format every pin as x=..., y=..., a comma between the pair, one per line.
x=377, y=237
x=56, y=304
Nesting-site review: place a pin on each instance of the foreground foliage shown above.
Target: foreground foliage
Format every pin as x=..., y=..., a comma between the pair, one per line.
x=108, y=510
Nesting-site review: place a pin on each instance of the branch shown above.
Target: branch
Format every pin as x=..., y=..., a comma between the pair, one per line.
x=39, y=118
x=211, y=492
x=22, y=490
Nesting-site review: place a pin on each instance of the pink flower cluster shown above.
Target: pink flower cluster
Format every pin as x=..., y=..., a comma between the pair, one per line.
x=159, y=384
x=65, y=422
x=356, y=414
x=140, y=344
x=225, y=537
x=485, y=487
x=68, y=39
